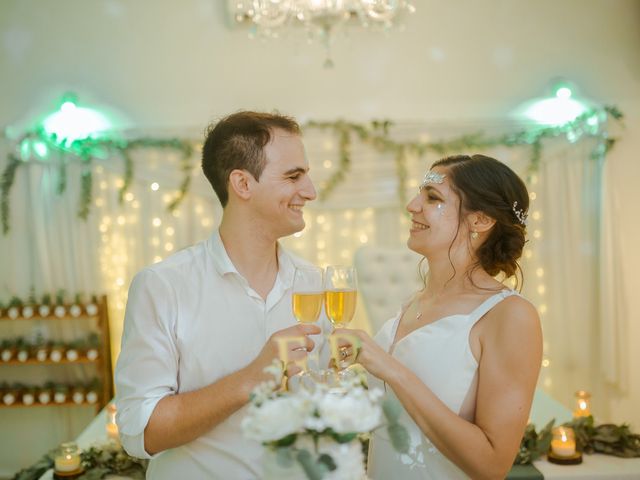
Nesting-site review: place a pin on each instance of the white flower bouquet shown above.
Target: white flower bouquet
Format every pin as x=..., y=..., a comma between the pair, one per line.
x=316, y=430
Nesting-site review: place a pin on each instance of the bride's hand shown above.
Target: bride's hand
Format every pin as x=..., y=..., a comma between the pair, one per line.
x=370, y=355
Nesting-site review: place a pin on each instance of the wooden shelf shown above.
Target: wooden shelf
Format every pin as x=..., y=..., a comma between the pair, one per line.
x=82, y=316
x=50, y=404
x=102, y=363
x=33, y=361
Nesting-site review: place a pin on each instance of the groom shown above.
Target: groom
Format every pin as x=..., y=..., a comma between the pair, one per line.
x=201, y=326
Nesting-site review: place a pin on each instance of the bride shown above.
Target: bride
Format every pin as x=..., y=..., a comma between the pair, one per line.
x=464, y=354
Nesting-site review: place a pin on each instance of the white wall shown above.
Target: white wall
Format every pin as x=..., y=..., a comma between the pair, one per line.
x=168, y=64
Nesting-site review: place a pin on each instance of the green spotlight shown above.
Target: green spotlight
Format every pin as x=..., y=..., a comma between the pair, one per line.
x=558, y=109
x=555, y=111
x=40, y=148
x=71, y=122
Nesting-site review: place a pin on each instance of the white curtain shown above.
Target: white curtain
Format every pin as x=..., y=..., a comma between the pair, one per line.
x=571, y=262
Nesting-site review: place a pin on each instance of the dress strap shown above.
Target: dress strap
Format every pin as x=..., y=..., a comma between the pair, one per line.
x=488, y=304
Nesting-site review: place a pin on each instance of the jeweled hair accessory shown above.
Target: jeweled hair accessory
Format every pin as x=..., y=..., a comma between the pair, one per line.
x=520, y=213
x=432, y=177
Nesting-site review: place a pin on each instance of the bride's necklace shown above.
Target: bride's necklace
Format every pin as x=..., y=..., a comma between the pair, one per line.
x=419, y=314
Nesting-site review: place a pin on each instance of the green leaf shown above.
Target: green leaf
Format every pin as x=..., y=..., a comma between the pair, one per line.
x=343, y=437
x=284, y=457
x=313, y=470
x=328, y=461
x=544, y=440
x=391, y=408
x=399, y=437
x=286, y=441
x=95, y=473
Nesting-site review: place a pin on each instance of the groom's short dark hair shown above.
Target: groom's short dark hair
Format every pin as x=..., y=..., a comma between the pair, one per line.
x=237, y=142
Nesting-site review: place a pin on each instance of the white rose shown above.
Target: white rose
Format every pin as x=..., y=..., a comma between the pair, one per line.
x=348, y=458
x=314, y=423
x=353, y=412
x=275, y=418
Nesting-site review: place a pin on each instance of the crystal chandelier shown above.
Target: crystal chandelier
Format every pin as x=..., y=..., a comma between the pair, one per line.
x=320, y=18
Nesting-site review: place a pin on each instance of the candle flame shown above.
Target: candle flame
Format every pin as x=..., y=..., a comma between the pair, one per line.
x=582, y=404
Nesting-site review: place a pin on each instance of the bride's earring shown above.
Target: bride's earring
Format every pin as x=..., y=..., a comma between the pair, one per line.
x=474, y=235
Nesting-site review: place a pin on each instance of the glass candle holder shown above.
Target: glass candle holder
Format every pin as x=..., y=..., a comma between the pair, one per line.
x=583, y=404
x=563, y=442
x=67, y=458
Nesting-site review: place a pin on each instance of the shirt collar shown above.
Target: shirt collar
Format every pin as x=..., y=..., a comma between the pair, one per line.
x=224, y=265
x=221, y=259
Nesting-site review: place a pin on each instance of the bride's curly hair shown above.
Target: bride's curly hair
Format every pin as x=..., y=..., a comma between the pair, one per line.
x=487, y=185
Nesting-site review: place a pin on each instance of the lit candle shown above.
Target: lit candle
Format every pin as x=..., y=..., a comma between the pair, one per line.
x=583, y=404
x=563, y=443
x=112, y=427
x=67, y=463
x=112, y=431
x=67, y=458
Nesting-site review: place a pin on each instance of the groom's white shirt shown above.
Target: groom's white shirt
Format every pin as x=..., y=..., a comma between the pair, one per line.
x=191, y=320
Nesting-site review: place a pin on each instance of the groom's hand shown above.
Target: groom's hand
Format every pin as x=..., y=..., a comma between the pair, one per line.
x=290, y=345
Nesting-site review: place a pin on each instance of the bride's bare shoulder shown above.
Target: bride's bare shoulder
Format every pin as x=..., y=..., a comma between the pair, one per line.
x=515, y=315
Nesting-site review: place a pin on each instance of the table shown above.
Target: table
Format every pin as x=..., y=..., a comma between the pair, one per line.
x=593, y=467
x=94, y=433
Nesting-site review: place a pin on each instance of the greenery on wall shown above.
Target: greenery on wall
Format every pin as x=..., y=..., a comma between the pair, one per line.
x=376, y=134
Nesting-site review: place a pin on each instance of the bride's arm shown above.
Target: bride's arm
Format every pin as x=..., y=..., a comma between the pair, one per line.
x=511, y=343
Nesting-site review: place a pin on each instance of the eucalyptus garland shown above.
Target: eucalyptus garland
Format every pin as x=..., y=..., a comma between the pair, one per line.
x=86, y=192
x=98, y=462
x=608, y=438
x=8, y=176
x=375, y=134
x=86, y=150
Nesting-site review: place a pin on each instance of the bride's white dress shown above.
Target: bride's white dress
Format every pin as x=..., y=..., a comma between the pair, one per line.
x=440, y=355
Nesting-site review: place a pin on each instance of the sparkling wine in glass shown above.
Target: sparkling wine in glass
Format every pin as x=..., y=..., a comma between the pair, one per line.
x=340, y=294
x=308, y=293
x=307, y=299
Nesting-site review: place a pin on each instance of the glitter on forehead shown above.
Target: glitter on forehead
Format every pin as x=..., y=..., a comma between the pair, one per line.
x=432, y=177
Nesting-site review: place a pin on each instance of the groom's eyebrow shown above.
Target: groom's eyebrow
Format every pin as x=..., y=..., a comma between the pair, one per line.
x=295, y=170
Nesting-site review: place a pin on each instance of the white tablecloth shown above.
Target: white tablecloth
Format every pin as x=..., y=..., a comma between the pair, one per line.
x=593, y=467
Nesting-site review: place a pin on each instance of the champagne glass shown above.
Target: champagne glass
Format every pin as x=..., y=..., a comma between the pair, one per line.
x=341, y=292
x=308, y=295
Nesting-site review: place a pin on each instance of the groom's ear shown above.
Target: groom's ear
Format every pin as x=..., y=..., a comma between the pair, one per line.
x=240, y=183
x=480, y=222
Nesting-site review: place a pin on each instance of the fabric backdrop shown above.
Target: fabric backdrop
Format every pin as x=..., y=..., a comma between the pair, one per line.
x=571, y=264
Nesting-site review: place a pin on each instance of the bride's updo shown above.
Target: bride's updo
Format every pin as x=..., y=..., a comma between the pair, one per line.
x=487, y=185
